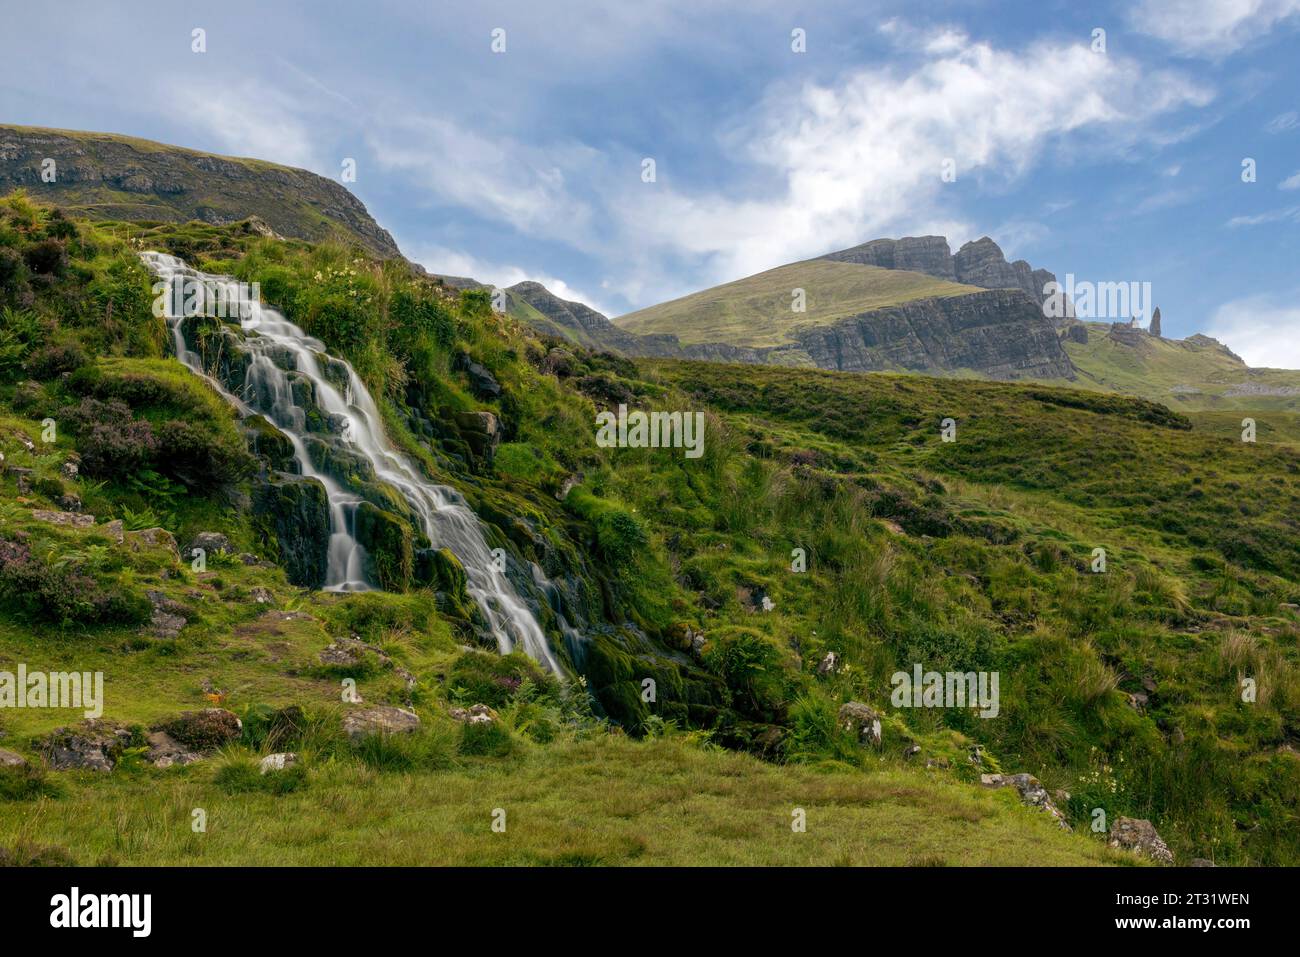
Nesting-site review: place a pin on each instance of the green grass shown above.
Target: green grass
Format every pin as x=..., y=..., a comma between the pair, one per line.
x=756, y=311
x=606, y=801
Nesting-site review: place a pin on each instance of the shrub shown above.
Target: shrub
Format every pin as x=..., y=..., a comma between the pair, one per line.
x=27, y=854
x=48, y=257
x=110, y=440
x=53, y=361
x=493, y=680
x=40, y=591
x=25, y=783
x=201, y=458
x=486, y=739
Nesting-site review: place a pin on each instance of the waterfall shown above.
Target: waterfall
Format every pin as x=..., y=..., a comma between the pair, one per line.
x=276, y=348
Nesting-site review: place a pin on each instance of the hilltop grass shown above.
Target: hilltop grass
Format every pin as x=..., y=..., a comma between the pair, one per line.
x=756, y=311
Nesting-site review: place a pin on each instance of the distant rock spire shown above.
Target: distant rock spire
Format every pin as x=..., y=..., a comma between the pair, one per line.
x=1154, y=328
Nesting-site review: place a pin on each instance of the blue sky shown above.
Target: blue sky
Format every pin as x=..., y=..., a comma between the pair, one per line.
x=1122, y=165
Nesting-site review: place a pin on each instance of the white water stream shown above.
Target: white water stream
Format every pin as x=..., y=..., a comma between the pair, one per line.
x=273, y=342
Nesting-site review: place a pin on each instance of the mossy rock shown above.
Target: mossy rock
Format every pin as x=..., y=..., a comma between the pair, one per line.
x=268, y=442
x=387, y=541
x=294, y=511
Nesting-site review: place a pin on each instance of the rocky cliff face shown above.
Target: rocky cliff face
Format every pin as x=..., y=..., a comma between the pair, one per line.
x=1001, y=334
x=584, y=323
x=978, y=263
x=117, y=177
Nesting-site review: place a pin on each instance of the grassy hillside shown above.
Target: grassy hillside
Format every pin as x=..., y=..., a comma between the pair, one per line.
x=110, y=177
x=1194, y=374
x=756, y=311
x=1120, y=690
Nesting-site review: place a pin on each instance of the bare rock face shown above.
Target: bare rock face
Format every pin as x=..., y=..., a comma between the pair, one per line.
x=928, y=254
x=1077, y=332
x=1138, y=835
x=1154, y=328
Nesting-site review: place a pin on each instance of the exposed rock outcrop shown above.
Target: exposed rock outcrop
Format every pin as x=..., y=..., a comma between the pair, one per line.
x=1138, y=835
x=1154, y=328
x=1031, y=792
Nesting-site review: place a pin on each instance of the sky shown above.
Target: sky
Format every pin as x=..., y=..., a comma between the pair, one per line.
x=508, y=140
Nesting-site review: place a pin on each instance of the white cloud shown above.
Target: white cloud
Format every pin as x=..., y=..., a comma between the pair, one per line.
x=1211, y=28
x=247, y=119
x=1283, y=122
x=1291, y=182
x=1262, y=330
x=1272, y=216
x=862, y=158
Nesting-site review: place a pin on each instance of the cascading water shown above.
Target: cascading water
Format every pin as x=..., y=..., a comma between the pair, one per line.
x=274, y=343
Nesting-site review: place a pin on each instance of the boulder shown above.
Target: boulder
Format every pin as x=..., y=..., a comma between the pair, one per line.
x=153, y=538
x=165, y=751
x=277, y=762
x=211, y=543
x=205, y=730
x=381, y=720
x=480, y=430
x=860, y=721
x=93, y=745
x=1031, y=792
x=1138, y=835
x=166, y=621
x=9, y=759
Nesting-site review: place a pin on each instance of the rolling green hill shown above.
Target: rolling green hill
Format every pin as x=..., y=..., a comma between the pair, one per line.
x=1195, y=374
x=756, y=311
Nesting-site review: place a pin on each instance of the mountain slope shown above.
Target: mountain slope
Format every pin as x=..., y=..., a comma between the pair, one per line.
x=106, y=176
x=1194, y=374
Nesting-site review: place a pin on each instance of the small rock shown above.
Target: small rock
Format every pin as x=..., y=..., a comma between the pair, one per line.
x=477, y=714
x=164, y=751
x=1031, y=792
x=277, y=762
x=261, y=595
x=166, y=621
x=69, y=502
x=71, y=468
x=114, y=530
x=1202, y=862
x=381, y=719
x=1138, y=835
x=155, y=537
x=351, y=653
x=1138, y=701
x=860, y=721
x=829, y=665
x=8, y=759
x=72, y=519
x=912, y=751
x=22, y=477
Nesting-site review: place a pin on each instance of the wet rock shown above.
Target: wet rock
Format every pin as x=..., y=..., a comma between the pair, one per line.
x=165, y=751
x=296, y=511
x=390, y=556
x=381, y=719
x=203, y=731
x=1139, y=835
x=860, y=721
x=277, y=762
x=69, y=519
x=94, y=745
x=1031, y=792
